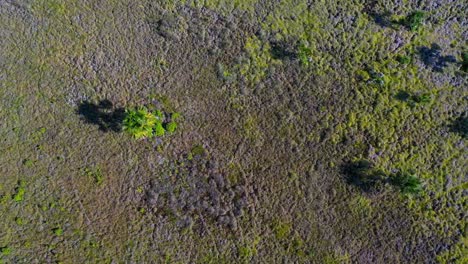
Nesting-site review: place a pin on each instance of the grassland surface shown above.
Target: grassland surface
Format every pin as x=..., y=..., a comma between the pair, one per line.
x=277, y=99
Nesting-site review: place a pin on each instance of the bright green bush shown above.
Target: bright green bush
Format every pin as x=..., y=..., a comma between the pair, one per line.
x=139, y=123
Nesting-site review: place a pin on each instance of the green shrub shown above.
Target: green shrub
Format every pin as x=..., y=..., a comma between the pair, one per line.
x=414, y=20
x=407, y=183
x=139, y=123
x=304, y=54
x=57, y=231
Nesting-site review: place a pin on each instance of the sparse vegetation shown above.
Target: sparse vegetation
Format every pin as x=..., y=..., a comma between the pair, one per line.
x=275, y=96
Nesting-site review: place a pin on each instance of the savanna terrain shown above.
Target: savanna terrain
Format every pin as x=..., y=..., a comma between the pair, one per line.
x=233, y=131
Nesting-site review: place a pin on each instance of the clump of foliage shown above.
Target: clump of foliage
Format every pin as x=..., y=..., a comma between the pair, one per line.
x=375, y=77
x=363, y=174
x=304, y=54
x=407, y=183
x=414, y=20
x=141, y=123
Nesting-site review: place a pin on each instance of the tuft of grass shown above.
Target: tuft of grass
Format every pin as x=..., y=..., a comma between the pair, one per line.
x=5, y=251
x=171, y=127
x=20, y=191
x=95, y=173
x=58, y=231
x=281, y=230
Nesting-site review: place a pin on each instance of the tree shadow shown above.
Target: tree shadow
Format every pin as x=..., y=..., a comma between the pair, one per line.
x=460, y=126
x=383, y=19
x=102, y=114
x=363, y=175
x=403, y=96
x=281, y=51
x=432, y=57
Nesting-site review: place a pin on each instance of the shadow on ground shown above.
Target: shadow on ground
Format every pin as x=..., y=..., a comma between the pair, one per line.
x=432, y=57
x=102, y=114
x=363, y=175
x=460, y=126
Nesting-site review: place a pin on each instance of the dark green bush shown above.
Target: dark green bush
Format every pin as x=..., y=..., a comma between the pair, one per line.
x=414, y=20
x=407, y=183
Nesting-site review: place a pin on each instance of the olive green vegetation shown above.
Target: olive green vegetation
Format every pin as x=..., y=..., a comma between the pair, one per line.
x=313, y=132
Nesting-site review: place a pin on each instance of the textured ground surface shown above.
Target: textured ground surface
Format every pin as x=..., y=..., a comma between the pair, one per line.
x=254, y=172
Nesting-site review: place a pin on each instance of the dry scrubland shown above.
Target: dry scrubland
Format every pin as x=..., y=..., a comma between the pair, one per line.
x=296, y=120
